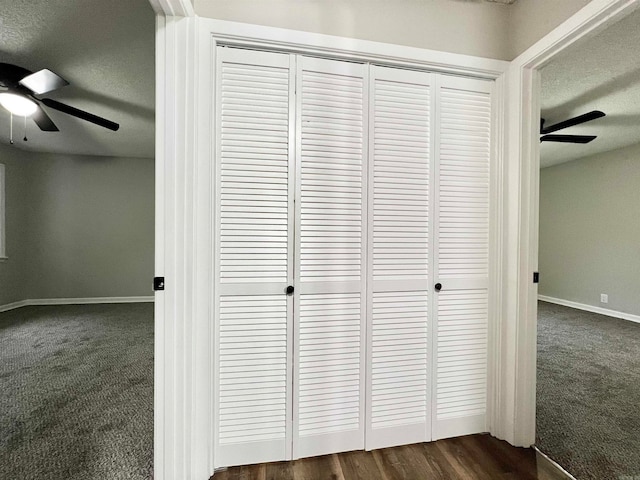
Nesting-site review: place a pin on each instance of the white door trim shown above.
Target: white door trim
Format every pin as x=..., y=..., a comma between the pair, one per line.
x=183, y=447
x=517, y=345
x=185, y=59
x=173, y=8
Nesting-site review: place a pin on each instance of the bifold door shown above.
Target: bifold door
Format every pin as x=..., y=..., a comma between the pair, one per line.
x=254, y=256
x=365, y=190
x=329, y=375
x=461, y=256
x=398, y=363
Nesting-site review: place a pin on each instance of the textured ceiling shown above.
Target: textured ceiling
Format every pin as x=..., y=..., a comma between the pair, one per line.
x=105, y=49
x=599, y=73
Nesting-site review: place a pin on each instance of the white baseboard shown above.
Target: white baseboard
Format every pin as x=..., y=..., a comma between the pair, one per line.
x=591, y=308
x=75, y=301
x=11, y=306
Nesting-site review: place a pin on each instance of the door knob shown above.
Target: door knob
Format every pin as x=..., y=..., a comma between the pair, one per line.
x=289, y=290
x=438, y=287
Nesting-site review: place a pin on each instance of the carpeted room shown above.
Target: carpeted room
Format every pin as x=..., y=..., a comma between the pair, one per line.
x=76, y=311
x=77, y=380
x=589, y=314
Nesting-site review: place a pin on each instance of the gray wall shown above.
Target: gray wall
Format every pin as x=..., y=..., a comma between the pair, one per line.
x=590, y=230
x=13, y=270
x=469, y=27
x=530, y=20
x=86, y=227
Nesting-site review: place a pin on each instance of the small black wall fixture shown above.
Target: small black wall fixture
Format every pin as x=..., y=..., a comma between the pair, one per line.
x=158, y=283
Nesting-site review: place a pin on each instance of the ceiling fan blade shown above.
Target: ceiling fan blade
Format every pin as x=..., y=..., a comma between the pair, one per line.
x=43, y=121
x=568, y=138
x=43, y=81
x=10, y=75
x=587, y=117
x=89, y=117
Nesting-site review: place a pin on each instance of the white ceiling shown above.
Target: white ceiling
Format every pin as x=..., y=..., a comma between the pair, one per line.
x=600, y=73
x=105, y=49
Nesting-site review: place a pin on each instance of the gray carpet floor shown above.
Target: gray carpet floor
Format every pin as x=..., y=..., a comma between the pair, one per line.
x=76, y=392
x=588, y=405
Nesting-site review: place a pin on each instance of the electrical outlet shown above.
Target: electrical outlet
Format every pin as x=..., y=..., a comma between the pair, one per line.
x=604, y=298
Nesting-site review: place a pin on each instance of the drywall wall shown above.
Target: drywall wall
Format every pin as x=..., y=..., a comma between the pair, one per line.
x=472, y=27
x=590, y=230
x=90, y=230
x=77, y=226
x=13, y=269
x=530, y=20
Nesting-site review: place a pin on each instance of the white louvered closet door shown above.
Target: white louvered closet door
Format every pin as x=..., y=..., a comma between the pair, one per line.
x=462, y=249
x=398, y=363
x=254, y=252
x=329, y=374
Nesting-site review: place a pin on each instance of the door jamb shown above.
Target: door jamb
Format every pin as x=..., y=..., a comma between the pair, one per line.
x=521, y=213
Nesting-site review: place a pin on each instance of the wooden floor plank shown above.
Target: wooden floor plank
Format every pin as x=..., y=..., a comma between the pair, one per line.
x=478, y=458
x=402, y=463
x=246, y=472
x=494, y=465
x=317, y=468
x=359, y=465
x=440, y=465
x=279, y=471
x=474, y=457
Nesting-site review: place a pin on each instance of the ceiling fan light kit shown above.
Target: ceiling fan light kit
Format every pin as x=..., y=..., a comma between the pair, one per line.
x=18, y=105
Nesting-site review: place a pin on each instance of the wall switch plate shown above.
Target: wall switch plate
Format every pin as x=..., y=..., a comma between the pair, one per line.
x=604, y=298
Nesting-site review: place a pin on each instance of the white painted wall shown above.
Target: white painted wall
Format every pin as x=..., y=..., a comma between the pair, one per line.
x=78, y=226
x=590, y=230
x=468, y=27
x=530, y=20
x=472, y=27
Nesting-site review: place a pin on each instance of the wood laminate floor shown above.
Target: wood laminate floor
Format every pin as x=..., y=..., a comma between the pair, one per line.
x=471, y=457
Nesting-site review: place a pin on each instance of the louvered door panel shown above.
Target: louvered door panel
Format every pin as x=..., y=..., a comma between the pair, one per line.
x=254, y=176
x=253, y=368
x=254, y=242
x=398, y=366
x=462, y=256
x=462, y=353
x=329, y=370
x=330, y=225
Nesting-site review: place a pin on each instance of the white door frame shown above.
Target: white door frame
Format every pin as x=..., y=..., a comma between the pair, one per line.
x=184, y=424
x=519, y=292
x=183, y=420
x=183, y=442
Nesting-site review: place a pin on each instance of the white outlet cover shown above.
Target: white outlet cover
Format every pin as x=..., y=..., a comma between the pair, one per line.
x=604, y=298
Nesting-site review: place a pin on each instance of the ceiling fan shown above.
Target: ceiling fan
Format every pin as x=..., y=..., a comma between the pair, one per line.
x=587, y=117
x=18, y=90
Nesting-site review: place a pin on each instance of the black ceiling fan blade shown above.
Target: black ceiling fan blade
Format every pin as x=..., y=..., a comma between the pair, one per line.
x=89, y=117
x=43, y=121
x=568, y=138
x=10, y=75
x=587, y=117
x=43, y=81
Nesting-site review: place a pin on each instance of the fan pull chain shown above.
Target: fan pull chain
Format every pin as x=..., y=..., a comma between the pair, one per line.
x=11, y=130
x=25, y=129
